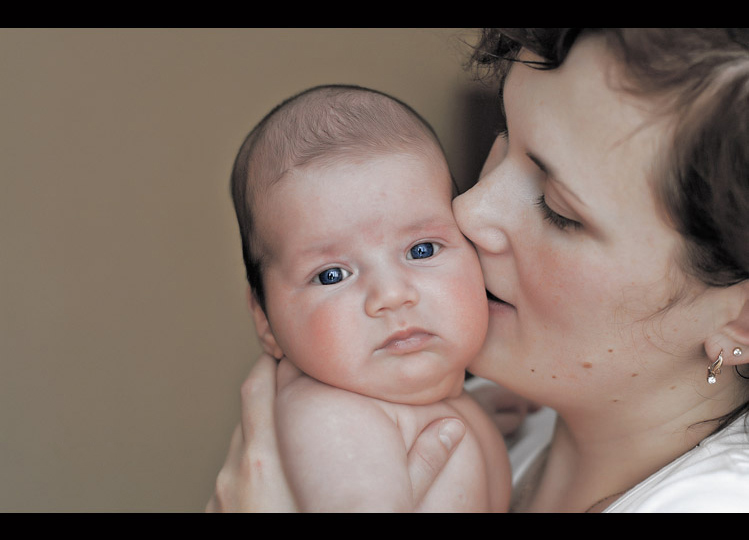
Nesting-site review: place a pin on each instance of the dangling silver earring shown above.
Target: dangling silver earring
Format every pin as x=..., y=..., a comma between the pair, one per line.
x=714, y=369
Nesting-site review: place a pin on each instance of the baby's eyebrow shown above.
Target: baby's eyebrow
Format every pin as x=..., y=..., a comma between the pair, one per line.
x=321, y=248
x=429, y=226
x=432, y=223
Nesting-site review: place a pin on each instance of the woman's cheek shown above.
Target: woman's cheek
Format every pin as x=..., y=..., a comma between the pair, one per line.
x=567, y=287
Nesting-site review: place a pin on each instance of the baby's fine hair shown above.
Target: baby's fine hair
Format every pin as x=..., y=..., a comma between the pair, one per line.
x=323, y=125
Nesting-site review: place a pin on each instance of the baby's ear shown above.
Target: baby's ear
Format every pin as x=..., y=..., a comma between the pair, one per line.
x=262, y=326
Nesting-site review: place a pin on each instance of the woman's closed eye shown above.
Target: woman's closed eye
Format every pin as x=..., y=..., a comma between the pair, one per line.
x=555, y=219
x=331, y=276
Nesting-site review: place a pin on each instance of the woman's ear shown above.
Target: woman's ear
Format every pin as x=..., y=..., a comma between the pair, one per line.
x=262, y=326
x=733, y=337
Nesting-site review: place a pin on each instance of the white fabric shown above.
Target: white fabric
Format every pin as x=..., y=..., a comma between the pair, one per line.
x=712, y=477
x=531, y=440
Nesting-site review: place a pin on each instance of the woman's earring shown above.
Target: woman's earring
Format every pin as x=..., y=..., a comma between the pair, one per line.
x=714, y=369
x=737, y=351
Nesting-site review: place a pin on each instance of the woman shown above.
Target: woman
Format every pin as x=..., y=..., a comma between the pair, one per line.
x=610, y=221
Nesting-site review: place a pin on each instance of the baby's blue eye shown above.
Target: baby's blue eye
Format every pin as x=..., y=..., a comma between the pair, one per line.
x=331, y=276
x=422, y=251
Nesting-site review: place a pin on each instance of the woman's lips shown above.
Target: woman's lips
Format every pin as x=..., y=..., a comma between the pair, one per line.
x=406, y=341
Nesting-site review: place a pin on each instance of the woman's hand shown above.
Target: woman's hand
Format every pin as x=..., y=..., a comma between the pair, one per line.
x=252, y=478
x=430, y=453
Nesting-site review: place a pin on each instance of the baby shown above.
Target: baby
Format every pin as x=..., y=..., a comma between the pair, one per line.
x=363, y=286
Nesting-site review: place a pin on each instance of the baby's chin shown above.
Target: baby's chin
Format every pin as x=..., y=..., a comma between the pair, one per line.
x=448, y=387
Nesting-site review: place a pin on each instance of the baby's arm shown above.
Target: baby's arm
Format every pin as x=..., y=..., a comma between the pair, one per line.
x=341, y=451
x=493, y=468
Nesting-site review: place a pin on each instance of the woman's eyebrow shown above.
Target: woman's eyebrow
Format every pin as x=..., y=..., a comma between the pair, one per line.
x=540, y=164
x=553, y=176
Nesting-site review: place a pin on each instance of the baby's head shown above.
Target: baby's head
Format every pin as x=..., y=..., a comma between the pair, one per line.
x=357, y=269
x=324, y=124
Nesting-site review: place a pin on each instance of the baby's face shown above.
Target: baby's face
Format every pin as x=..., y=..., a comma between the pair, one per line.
x=370, y=285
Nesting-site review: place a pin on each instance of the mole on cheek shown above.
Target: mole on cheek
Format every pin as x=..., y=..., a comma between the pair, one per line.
x=587, y=365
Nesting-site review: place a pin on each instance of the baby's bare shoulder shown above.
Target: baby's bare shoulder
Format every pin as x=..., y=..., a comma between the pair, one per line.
x=307, y=402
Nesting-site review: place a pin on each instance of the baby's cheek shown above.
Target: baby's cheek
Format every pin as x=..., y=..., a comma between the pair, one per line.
x=321, y=343
x=474, y=313
x=323, y=332
x=465, y=304
x=473, y=305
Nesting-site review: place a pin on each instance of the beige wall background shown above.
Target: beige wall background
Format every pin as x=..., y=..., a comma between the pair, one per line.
x=124, y=334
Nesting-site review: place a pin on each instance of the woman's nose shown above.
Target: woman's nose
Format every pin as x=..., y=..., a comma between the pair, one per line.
x=390, y=293
x=483, y=211
x=479, y=213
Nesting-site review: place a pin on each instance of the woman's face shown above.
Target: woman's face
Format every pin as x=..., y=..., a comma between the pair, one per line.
x=572, y=242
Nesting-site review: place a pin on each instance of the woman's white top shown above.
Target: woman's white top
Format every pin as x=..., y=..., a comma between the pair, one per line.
x=712, y=477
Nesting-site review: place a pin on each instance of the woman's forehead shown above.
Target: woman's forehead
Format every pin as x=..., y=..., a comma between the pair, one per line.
x=599, y=141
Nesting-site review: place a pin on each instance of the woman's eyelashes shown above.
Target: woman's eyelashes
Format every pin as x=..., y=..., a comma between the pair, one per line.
x=555, y=219
x=549, y=215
